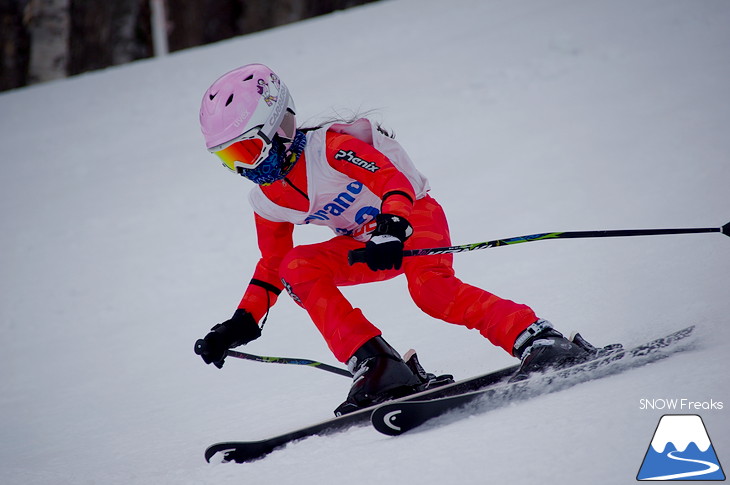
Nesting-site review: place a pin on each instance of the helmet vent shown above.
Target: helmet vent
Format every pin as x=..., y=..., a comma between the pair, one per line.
x=250, y=76
x=229, y=100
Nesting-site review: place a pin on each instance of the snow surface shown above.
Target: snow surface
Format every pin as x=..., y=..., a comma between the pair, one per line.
x=123, y=242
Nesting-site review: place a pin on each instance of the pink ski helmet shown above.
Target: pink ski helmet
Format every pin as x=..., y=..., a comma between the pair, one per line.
x=247, y=104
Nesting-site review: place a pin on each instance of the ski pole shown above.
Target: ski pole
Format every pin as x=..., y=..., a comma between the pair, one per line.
x=290, y=360
x=358, y=255
x=279, y=360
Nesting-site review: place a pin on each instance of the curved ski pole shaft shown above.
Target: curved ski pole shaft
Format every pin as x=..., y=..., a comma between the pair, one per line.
x=290, y=360
x=358, y=255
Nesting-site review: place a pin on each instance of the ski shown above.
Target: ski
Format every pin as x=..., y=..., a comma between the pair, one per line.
x=395, y=418
x=468, y=389
x=246, y=451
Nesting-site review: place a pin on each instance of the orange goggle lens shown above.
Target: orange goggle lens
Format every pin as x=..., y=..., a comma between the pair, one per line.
x=244, y=154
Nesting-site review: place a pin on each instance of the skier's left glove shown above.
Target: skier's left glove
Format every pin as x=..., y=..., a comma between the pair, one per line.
x=384, y=250
x=240, y=329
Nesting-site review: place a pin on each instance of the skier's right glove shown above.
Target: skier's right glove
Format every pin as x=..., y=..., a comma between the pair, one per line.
x=240, y=329
x=384, y=250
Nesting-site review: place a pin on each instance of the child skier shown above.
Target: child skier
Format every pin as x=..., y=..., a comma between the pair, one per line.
x=360, y=182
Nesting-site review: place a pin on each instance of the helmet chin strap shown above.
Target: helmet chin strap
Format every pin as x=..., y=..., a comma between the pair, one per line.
x=296, y=147
x=292, y=154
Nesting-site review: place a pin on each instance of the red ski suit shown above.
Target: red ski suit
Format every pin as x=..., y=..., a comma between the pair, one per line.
x=312, y=273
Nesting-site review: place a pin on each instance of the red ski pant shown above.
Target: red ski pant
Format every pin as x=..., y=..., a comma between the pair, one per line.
x=312, y=274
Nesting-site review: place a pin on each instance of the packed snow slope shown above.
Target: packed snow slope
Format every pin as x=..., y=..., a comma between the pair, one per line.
x=123, y=241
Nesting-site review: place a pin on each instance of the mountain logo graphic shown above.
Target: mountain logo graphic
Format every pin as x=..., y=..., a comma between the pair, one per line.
x=681, y=450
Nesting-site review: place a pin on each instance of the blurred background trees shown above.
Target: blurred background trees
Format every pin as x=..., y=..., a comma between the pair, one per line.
x=42, y=40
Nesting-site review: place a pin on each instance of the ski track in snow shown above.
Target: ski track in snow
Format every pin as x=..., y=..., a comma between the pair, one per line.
x=123, y=241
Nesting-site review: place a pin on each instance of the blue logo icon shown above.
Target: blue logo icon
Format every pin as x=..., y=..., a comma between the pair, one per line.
x=681, y=450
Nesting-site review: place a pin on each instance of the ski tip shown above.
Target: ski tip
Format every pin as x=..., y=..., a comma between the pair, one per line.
x=222, y=453
x=240, y=451
x=209, y=454
x=726, y=229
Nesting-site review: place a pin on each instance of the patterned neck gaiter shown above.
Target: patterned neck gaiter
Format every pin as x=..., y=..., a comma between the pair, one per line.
x=279, y=162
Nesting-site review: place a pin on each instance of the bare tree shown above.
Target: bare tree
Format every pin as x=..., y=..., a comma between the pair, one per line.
x=124, y=24
x=42, y=40
x=14, y=44
x=48, y=24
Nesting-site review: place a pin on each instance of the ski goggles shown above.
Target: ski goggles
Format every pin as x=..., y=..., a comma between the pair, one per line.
x=245, y=152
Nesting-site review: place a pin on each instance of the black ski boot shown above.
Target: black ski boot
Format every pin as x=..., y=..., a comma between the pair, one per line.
x=380, y=374
x=541, y=348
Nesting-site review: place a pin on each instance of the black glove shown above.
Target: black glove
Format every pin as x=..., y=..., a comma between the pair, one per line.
x=384, y=250
x=239, y=330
